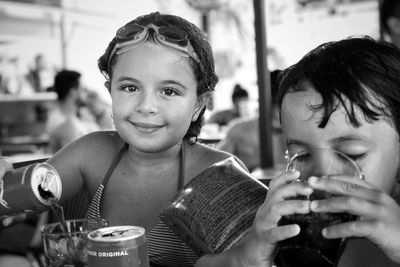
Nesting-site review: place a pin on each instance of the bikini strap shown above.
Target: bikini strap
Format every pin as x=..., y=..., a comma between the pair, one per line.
x=114, y=164
x=181, y=177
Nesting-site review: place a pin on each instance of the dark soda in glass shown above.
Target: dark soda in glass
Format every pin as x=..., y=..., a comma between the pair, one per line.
x=309, y=247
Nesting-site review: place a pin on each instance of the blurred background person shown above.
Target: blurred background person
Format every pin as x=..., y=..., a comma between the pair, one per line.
x=390, y=20
x=41, y=75
x=240, y=108
x=64, y=124
x=11, y=80
x=96, y=109
x=243, y=138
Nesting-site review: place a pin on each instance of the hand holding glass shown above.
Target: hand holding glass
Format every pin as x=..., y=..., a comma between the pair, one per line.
x=68, y=249
x=309, y=247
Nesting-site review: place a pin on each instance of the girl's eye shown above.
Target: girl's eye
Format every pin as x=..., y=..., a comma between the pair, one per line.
x=129, y=88
x=170, y=92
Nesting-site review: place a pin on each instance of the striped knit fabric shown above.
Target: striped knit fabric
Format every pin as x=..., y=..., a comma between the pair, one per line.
x=167, y=249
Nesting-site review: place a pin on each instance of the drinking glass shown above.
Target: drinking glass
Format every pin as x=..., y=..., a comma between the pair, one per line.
x=309, y=247
x=68, y=247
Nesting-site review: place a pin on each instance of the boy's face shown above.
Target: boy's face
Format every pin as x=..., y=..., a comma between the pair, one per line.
x=154, y=96
x=374, y=146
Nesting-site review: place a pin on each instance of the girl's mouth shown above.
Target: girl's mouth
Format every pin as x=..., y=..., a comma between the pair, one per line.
x=147, y=128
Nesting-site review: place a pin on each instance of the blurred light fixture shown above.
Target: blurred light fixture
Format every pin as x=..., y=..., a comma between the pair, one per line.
x=206, y=5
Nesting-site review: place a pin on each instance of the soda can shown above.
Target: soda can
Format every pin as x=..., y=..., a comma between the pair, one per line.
x=29, y=189
x=118, y=246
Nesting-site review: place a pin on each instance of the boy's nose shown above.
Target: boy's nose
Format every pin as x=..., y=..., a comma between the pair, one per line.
x=331, y=163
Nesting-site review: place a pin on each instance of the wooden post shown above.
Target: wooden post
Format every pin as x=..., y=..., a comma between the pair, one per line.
x=264, y=86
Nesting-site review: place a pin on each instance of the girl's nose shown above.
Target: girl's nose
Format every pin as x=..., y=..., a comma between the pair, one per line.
x=147, y=104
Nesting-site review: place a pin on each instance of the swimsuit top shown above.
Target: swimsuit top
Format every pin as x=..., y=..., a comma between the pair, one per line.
x=165, y=247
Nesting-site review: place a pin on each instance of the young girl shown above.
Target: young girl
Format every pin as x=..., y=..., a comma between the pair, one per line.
x=345, y=96
x=159, y=70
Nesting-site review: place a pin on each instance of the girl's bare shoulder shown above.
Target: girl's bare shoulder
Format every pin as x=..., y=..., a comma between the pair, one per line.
x=208, y=154
x=201, y=157
x=86, y=159
x=92, y=149
x=100, y=141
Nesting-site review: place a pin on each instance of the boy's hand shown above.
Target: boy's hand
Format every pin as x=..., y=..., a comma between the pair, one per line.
x=378, y=213
x=259, y=247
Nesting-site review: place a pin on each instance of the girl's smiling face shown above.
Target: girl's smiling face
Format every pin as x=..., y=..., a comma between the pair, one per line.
x=154, y=95
x=373, y=145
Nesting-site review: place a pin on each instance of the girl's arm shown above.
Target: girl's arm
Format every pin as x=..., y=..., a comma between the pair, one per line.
x=83, y=162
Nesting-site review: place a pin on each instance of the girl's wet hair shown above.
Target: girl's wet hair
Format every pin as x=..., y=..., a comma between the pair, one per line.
x=355, y=72
x=205, y=74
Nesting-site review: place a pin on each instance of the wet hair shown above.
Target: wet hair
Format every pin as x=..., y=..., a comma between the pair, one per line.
x=204, y=72
x=387, y=9
x=64, y=82
x=239, y=92
x=275, y=77
x=353, y=73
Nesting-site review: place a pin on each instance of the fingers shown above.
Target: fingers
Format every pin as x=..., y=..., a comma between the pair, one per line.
x=356, y=198
x=285, y=186
x=289, y=191
x=283, y=232
x=5, y=166
x=13, y=219
x=280, y=202
x=273, y=213
x=280, y=199
x=284, y=178
x=353, y=205
x=350, y=229
x=340, y=185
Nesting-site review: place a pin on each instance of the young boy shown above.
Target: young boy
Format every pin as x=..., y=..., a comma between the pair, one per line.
x=345, y=96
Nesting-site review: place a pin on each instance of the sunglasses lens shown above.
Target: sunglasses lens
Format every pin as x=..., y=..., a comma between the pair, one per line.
x=129, y=31
x=174, y=35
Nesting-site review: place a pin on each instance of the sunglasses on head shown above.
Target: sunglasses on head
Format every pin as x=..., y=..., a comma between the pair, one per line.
x=133, y=35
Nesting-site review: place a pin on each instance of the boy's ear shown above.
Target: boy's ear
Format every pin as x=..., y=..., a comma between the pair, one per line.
x=394, y=25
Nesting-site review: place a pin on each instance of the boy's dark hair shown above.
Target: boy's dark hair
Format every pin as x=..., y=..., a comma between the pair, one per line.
x=275, y=76
x=205, y=74
x=64, y=82
x=239, y=92
x=388, y=8
x=353, y=73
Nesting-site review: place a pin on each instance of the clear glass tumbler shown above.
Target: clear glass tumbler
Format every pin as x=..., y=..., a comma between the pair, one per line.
x=309, y=247
x=68, y=249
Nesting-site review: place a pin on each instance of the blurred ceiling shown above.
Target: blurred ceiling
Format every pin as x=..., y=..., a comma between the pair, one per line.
x=22, y=18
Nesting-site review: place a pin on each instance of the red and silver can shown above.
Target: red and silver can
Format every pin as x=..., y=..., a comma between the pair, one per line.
x=118, y=246
x=29, y=189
